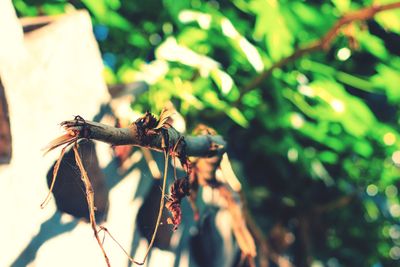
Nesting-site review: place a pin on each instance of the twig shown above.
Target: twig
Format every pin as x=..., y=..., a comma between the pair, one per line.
x=324, y=42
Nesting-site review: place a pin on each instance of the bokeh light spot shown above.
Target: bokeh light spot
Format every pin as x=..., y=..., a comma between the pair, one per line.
x=389, y=139
x=293, y=154
x=372, y=190
x=391, y=191
x=302, y=79
x=306, y=90
x=155, y=39
x=396, y=157
x=343, y=53
x=337, y=105
x=394, y=232
x=395, y=210
x=167, y=28
x=297, y=120
x=394, y=253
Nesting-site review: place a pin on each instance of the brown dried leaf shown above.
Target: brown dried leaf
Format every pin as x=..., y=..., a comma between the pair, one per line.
x=67, y=138
x=164, y=117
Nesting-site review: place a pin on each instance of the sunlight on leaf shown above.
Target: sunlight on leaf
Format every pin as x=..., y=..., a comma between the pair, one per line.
x=271, y=27
x=221, y=23
x=388, y=80
x=389, y=20
x=223, y=80
x=237, y=116
x=170, y=50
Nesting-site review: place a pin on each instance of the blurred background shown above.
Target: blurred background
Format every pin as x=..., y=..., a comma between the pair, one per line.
x=315, y=143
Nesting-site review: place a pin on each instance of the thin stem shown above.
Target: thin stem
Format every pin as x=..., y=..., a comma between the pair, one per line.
x=94, y=225
x=53, y=181
x=160, y=210
x=90, y=201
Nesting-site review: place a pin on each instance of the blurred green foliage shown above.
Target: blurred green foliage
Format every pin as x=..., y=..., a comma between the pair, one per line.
x=318, y=140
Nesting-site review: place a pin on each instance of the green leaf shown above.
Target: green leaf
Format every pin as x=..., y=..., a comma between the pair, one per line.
x=114, y=4
x=342, y=5
x=363, y=148
x=388, y=80
x=252, y=98
x=372, y=209
x=241, y=45
x=106, y=15
x=223, y=80
x=350, y=111
x=98, y=8
x=372, y=44
x=171, y=51
x=25, y=9
x=114, y=19
x=390, y=19
x=237, y=116
x=175, y=7
x=328, y=157
x=311, y=19
x=271, y=26
x=317, y=133
x=192, y=37
x=138, y=40
x=211, y=98
x=343, y=77
x=53, y=8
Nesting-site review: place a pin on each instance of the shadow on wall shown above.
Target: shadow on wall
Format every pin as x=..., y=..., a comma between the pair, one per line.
x=48, y=229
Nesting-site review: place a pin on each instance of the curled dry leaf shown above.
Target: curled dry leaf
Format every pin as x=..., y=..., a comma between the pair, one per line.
x=179, y=189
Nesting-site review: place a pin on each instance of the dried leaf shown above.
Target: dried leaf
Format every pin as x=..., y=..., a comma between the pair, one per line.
x=164, y=117
x=67, y=138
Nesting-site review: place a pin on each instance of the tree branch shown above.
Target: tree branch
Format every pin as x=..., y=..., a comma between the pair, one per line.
x=197, y=146
x=324, y=42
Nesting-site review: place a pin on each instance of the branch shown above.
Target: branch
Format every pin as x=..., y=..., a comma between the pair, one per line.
x=324, y=42
x=197, y=146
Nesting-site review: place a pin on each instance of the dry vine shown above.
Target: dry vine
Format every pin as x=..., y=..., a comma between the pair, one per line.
x=148, y=132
